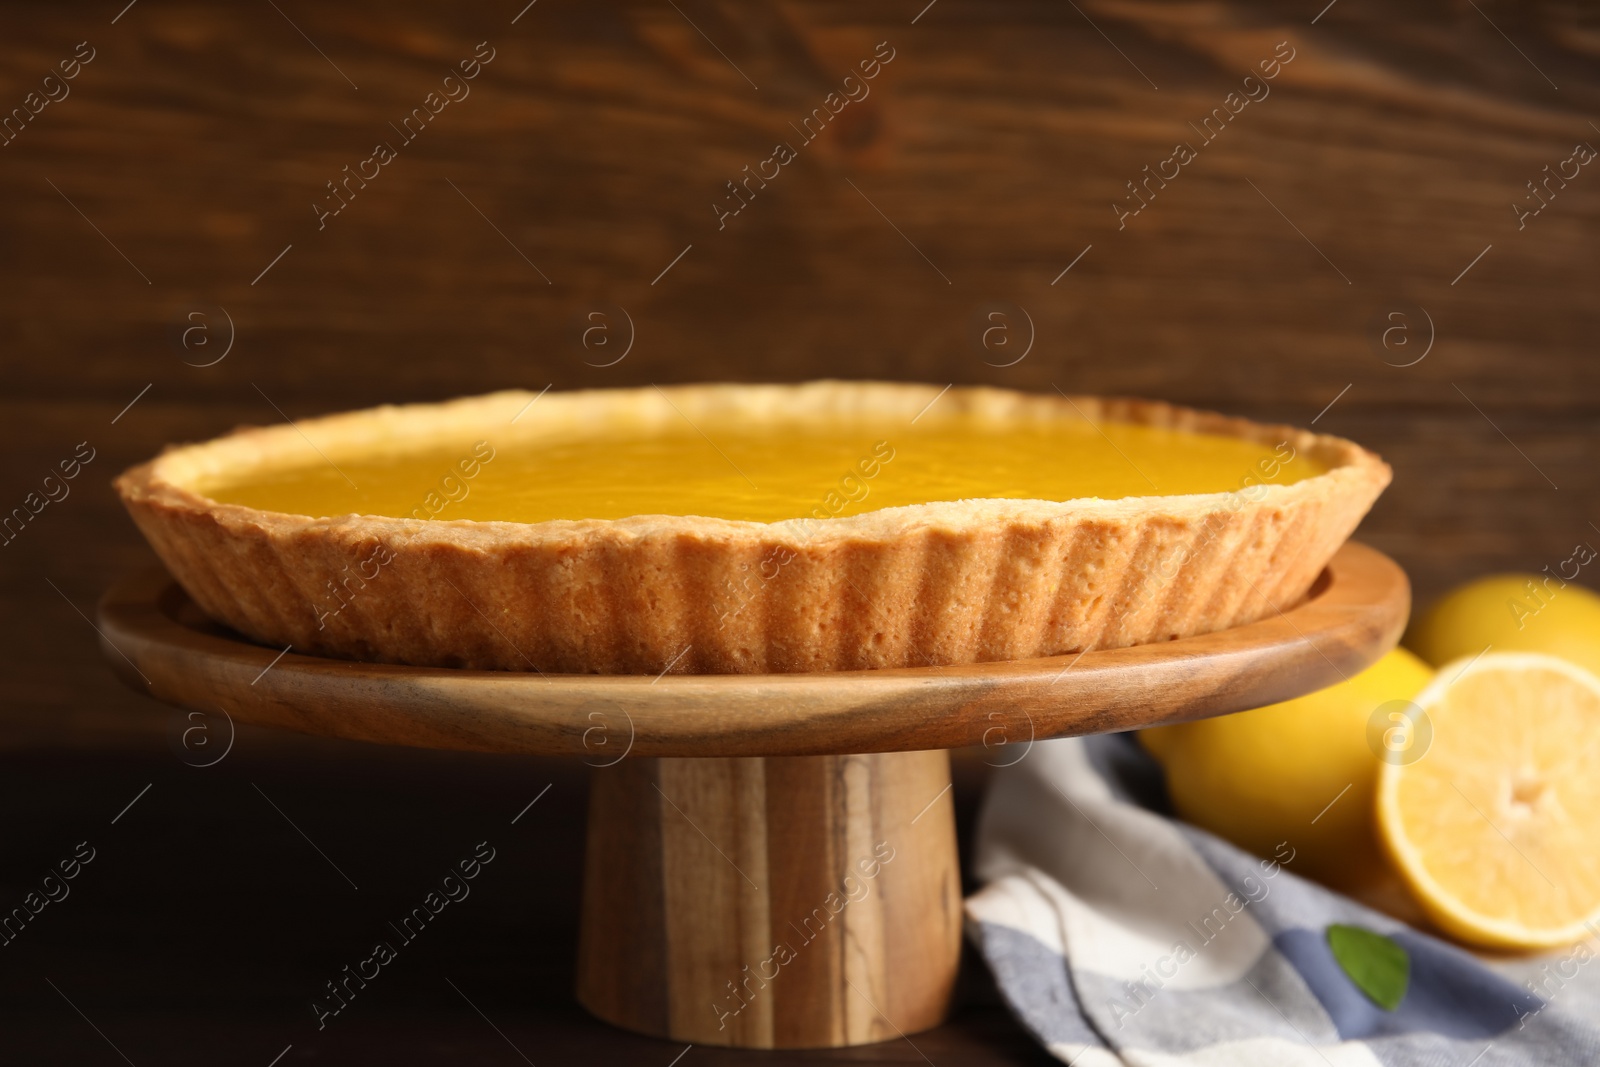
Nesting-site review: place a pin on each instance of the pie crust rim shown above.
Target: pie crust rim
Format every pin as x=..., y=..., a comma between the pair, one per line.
x=942, y=582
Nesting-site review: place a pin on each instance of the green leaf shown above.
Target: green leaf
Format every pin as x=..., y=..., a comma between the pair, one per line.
x=1377, y=964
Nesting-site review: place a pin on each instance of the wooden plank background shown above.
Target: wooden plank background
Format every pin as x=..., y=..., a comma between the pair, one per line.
x=171, y=186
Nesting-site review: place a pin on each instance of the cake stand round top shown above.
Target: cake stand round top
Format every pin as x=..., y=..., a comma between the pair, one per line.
x=162, y=644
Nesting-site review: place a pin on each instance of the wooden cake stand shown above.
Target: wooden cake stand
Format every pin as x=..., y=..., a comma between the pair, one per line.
x=771, y=858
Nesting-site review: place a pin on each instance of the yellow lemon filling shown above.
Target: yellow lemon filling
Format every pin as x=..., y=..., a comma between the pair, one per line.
x=736, y=470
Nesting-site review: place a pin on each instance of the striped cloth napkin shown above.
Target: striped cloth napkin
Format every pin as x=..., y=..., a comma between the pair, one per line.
x=1118, y=935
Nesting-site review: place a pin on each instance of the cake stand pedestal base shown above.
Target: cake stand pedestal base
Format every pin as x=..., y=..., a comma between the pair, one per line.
x=752, y=879
x=772, y=902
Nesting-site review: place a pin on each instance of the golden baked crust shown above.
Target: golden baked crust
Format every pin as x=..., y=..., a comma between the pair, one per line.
x=941, y=583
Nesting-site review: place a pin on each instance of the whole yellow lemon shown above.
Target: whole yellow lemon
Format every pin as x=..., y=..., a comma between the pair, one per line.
x=1302, y=772
x=1513, y=613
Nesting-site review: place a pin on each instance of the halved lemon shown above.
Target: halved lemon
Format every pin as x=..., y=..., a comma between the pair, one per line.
x=1495, y=825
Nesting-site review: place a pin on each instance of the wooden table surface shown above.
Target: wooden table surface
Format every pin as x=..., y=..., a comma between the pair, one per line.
x=217, y=906
x=167, y=203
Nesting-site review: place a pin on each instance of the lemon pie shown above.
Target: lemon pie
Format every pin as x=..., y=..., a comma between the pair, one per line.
x=737, y=528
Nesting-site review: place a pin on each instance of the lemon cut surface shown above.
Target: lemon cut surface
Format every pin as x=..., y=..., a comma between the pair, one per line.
x=1496, y=827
